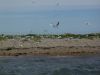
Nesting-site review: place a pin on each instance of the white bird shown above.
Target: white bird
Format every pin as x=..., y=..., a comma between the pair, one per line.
x=55, y=25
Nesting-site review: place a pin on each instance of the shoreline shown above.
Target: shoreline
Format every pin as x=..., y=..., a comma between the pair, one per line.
x=53, y=51
x=49, y=47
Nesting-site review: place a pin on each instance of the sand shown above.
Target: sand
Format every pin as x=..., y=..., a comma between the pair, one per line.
x=50, y=47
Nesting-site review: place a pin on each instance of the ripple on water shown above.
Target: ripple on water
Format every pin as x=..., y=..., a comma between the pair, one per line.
x=30, y=65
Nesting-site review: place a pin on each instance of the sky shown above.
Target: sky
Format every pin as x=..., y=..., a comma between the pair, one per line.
x=35, y=16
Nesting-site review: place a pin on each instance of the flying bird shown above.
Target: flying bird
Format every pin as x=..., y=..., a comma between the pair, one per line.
x=87, y=23
x=55, y=25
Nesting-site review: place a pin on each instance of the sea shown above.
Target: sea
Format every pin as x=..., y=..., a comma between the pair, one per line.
x=50, y=65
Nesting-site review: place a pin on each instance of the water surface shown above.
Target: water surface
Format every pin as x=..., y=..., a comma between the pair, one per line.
x=40, y=65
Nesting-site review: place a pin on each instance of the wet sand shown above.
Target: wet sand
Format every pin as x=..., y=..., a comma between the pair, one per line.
x=50, y=47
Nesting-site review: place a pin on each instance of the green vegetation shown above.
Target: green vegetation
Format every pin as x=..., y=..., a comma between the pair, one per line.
x=34, y=37
x=73, y=36
x=37, y=37
x=2, y=37
x=80, y=36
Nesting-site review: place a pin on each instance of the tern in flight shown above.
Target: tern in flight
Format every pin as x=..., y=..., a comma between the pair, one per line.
x=55, y=25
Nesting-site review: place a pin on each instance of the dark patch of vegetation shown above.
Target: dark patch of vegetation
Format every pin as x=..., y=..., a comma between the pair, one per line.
x=10, y=48
x=9, y=36
x=2, y=37
x=31, y=35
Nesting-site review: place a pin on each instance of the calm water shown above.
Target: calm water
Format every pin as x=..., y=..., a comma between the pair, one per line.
x=35, y=65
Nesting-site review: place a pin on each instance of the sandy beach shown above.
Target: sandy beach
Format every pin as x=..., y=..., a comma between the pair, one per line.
x=50, y=47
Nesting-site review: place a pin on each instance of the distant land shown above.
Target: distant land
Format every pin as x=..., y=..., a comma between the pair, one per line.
x=50, y=44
